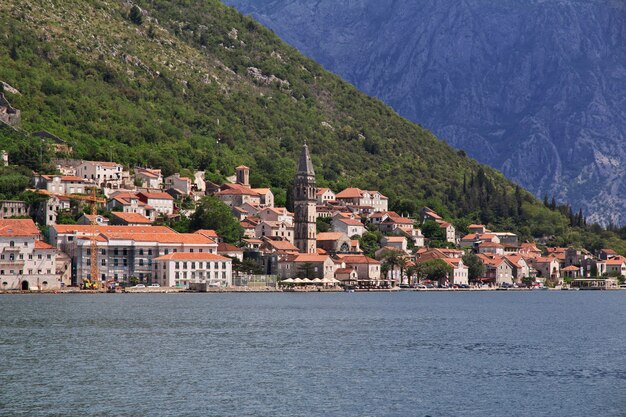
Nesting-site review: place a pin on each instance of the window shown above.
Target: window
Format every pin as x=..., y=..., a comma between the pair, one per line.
x=103, y=251
x=70, y=238
x=193, y=265
x=115, y=262
x=185, y=266
x=47, y=256
x=39, y=256
x=124, y=252
x=125, y=262
x=11, y=243
x=166, y=251
x=88, y=252
x=21, y=256
x=191, y=250
x=149, y=251
x=103, y=262
x=115, y=251
x=141, y=251
x=177, y=265
x=141, y=262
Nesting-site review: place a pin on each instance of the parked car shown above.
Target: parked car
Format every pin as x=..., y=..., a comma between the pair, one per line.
x=154, y=285
x=140, y=286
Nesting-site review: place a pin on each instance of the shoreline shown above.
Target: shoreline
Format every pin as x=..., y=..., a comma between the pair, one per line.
x=243, y=290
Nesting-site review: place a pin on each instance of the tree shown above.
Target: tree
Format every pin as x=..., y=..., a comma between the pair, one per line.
x=432, y=230
x=436, y=270
x=476, y=268
x=211, y=213
x=135, y=15
x=306, y=270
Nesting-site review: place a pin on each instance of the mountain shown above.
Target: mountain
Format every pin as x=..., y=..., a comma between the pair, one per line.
x=534, y=88
x=193, y=84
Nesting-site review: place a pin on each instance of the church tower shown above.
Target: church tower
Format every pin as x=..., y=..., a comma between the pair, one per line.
x=304, y=204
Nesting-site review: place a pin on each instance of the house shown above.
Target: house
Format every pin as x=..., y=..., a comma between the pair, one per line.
x=278, y=214
x=129, y=219
x=93, y=219
x=46, y=212
x=277, y=245
x=61, y=184
x=357, y=197
x=103, y=174
x=177, y=182
x=149, y=178
x=306, y=266
x=347, y=276
x=616, y=266
x=211, y=234
x=460, y=272
x=491, y=248
x=477, y=229
x=397, y=224
x=26, y=262
x=334, y=242
x=162, y=202
x=521, y=268
x=266, y=197
x=255, y=244
x=548, y=267
x=249, y=227
x=13, y=208
x=368, y=270
x=182, y=268
x=324, y=195
x=571, y=272
x=350, y=227
x=606, y=254
x=395, y=242
x=529, y=250
x=498, y=269
x=449, y=231
x=230, y=251
x=427, y=214
x=236, y=195
x=268, y=228
x=507, y=238
x=128, y=202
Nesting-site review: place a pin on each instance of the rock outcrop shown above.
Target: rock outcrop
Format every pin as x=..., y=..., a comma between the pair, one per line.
x=534, y=88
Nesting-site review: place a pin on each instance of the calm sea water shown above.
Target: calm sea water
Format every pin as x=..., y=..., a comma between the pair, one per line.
x=407, y=354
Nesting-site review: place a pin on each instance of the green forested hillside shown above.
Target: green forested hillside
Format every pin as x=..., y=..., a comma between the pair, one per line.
x=194, y=84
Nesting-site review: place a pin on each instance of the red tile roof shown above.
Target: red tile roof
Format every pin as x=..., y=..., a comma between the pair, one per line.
x=156, y=195
x=42, y=245
x=358, y=259
x=227, y=247
x=132, y=217
x=18, y=227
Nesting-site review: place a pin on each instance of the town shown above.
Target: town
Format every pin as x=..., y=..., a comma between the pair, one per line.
x=100, y=226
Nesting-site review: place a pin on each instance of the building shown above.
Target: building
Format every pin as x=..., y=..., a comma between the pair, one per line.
x=13, y=208
x=367, y=269
x=334, y=242
x=304, y=202
x=103, y=174
x=26, y=262
x=351, y=227
x=61, y=184
x=162, y=202
x=149, y=178
x=281, y=230
x=129, y=219
x=324, y=195
x=177, y=182
x=306, y=265
x=448, y=231
x=93, y=219
x=127, y=202
x=236, y=195
x=357, y=197
x=182, y=268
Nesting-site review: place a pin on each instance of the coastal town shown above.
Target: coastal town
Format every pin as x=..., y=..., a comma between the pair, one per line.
x=101, y=226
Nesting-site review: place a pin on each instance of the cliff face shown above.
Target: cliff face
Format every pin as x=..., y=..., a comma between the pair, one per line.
x=534, y=88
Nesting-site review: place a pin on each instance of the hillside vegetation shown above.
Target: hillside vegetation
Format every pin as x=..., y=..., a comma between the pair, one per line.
x=194, y=84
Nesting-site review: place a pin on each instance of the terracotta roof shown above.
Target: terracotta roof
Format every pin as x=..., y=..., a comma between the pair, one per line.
x=208, y=233
x=227, y=247
x=132, y=217
x=252, y=240
x=332, y=236
x=179, y=238
x=471, y=237
x=570, y=268
x=42, y=245
x=18, y=227
x=344, y=271
x=350, y=222
x=192, y=256
x=310, y=258
x=490, y=245
x=349, y=193
x=101, y=163
x=262, y=190
x=242, y=167
x=282, y=245
x=475, y=226
x=156, y=195
x=397, y=239
x=358, y=259
x=442, y=224
x=74, y=228
x=618, y=260
x=609, y=251
x=321, y=191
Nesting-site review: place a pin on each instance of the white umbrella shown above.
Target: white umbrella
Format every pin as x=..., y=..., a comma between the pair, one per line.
x=317, y=281
x=298, y=281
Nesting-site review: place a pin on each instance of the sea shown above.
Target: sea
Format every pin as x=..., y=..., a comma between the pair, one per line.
x=497, y=353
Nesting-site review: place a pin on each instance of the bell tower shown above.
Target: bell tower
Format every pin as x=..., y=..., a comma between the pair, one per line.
x=304, y=204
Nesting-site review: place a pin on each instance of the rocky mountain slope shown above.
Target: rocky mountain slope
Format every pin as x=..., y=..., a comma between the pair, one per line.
x=534, y=88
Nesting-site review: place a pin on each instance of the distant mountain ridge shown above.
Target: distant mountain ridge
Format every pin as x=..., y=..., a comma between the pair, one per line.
x=535, y=89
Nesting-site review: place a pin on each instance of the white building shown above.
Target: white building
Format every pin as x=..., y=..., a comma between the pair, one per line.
x=180, y=183
x=161, y=202
x=26, y=263
x=357, y=197
x=182, y=268
x=103, y=174
x=149, y=178
x=324, y=195
x=61, y=184
x=350, y=227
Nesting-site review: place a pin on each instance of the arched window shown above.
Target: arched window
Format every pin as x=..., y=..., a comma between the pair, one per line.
x=11, y=244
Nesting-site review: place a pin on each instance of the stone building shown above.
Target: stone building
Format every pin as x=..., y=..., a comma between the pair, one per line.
x=304, y=204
